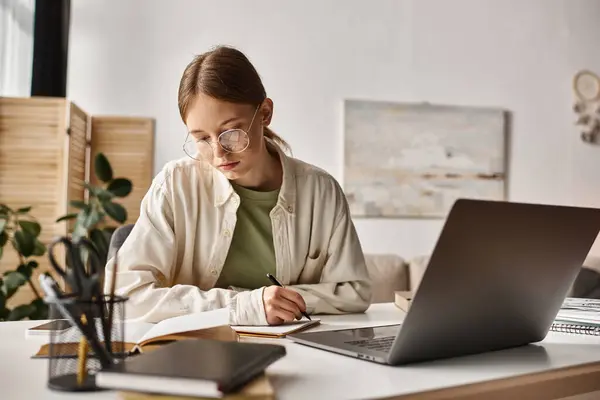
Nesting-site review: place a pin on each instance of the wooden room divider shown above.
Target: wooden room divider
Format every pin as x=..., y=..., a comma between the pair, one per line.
x=47, y=148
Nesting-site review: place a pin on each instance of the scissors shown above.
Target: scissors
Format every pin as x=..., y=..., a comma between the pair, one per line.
x=84, y=284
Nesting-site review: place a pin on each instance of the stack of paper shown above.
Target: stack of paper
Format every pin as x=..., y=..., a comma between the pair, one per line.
x=580, y=310
x=259, y=389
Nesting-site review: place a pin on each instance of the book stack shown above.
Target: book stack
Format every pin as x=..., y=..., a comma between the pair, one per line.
x=403, y=299
x=194, y=369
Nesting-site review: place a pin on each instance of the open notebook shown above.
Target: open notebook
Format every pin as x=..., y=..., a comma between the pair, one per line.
x=275, y=331
x=140, y=335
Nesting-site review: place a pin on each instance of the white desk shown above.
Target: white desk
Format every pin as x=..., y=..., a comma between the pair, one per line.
x=307, y=373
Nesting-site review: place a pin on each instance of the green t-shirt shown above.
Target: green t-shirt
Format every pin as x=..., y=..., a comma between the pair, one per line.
x=251, y=254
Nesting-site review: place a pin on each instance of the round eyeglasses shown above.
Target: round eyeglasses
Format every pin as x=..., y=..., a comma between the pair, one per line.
x=231, y=141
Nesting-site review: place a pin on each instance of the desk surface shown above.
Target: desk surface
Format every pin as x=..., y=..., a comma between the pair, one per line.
x=311, y=373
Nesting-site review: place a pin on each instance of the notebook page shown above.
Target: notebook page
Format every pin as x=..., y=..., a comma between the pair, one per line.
x=187, y=323
x=582, y=304
x=580, y=310
x=133, y=332
x=276, y=330
x=578, y=317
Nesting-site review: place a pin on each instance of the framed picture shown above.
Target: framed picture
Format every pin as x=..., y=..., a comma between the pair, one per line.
x=406, y=160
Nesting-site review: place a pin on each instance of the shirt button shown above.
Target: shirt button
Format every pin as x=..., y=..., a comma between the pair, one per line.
x=227, y=233
x=213, y=271
x=290, y=209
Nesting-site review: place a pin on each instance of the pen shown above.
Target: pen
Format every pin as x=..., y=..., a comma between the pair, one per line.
x=276, y=282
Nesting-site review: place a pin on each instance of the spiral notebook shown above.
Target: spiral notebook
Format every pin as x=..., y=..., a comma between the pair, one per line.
x=575, y=328
x=578, y=316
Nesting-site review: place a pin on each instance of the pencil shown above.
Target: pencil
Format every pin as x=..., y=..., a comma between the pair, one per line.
x=82, y=356
x=111, y=302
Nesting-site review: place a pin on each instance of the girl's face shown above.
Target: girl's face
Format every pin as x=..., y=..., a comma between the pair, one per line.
x=228, y=135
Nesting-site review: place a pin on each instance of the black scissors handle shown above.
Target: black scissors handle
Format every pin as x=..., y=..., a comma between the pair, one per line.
x=68, y=276
x=95, y=262
x=90, y=280
x=82, y=282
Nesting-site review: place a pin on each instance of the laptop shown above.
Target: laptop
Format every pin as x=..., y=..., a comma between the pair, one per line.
x=496, y=279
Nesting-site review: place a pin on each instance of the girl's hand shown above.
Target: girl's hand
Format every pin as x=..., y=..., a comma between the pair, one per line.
x=282, y=305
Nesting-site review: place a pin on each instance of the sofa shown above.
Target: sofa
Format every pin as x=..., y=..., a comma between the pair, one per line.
x=390, y=272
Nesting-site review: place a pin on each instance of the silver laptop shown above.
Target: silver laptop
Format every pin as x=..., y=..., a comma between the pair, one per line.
x=495, y=280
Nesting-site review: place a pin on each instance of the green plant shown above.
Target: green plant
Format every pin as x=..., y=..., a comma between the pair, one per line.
x=90, y=220
x=22, y=231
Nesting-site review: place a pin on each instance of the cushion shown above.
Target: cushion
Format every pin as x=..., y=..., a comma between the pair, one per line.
x=416, y=269
x=586, y=285
x=389, y=273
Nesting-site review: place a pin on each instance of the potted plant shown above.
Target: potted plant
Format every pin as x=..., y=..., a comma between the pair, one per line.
x=21, y=230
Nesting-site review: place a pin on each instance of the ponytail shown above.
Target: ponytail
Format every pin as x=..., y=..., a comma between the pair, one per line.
x=278, y=140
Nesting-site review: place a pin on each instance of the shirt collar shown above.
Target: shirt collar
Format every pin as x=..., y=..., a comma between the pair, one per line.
x=287, y=195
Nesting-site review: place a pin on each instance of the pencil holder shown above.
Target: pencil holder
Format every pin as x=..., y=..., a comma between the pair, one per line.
x=94, y=340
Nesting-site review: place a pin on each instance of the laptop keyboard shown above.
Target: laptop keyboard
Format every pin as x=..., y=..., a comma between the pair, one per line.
x=383, y=344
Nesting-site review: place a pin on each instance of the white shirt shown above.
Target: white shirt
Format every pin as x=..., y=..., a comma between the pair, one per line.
x=170, y=262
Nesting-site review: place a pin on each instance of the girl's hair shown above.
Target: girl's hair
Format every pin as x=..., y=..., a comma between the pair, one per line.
x=226, y=74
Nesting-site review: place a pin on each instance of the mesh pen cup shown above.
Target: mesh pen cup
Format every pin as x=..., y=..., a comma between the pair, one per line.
x=93, y=340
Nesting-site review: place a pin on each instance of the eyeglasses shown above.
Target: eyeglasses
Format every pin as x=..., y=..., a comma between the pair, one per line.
x=231, y=141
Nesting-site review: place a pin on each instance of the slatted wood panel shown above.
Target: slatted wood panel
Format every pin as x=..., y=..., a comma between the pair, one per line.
x=77, y=161
x=128, y=143
x=32, y=153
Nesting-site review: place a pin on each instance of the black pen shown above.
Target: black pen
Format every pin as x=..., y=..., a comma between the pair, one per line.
x=276, y=282
x=111, y=303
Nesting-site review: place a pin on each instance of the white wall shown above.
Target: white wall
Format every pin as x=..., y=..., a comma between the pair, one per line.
x=126, y=57
x=16, y=47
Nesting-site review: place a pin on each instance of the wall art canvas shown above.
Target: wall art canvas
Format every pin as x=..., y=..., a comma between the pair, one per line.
x=406, y=160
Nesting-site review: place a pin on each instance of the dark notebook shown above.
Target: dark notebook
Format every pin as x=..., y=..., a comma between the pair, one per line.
x=201, y=367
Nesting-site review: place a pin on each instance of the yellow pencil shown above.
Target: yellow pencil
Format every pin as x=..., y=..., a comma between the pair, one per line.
x=82, y=356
